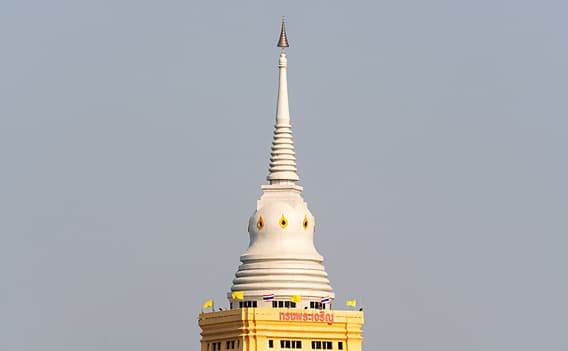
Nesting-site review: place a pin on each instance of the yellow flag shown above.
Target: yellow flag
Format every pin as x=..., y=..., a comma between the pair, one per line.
x=208, y=303
x=296, y=298
x=238, y=295
x=352, y=303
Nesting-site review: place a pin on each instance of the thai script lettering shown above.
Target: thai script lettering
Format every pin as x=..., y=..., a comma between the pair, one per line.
x=324, y=317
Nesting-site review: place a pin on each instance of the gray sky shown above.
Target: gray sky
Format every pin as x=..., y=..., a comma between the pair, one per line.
x=431, y=138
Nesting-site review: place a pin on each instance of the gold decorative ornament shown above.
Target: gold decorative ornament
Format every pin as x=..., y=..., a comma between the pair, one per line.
x=305, y=222
x=283, y=41
x=260, y=223
x=283, y=222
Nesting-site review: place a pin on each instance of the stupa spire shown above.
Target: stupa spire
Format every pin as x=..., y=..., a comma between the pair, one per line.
x=282, y=168
x=281, y=258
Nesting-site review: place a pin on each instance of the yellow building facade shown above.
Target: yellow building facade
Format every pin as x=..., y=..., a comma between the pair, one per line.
x=264, y=329
x=281, y=297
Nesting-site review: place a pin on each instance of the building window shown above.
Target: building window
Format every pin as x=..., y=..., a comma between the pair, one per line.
x=271, y=344
x=317, y=305
x=340, y=345
x=283, y=304
x=322, y=345
x=247, y=304
x=316, y=345
x=285, y=344
x=230, y=345
x=289, y=344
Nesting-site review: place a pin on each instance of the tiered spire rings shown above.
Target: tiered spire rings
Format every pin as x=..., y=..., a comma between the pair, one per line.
x=283, y=157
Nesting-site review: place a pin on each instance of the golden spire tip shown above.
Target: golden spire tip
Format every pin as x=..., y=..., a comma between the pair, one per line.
x=283, y=42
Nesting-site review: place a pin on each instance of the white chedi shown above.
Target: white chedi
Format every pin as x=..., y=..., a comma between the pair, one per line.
x=281, y=227
x=281, y=258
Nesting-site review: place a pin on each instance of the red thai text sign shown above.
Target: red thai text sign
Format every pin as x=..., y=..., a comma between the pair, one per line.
x=322, y=316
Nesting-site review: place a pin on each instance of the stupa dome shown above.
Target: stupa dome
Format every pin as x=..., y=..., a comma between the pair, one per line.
x=282, y=229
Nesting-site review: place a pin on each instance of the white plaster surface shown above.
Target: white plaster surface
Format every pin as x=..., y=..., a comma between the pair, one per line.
x=282, y=259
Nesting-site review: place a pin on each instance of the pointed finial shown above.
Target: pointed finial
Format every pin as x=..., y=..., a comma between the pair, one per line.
x=283, y=42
